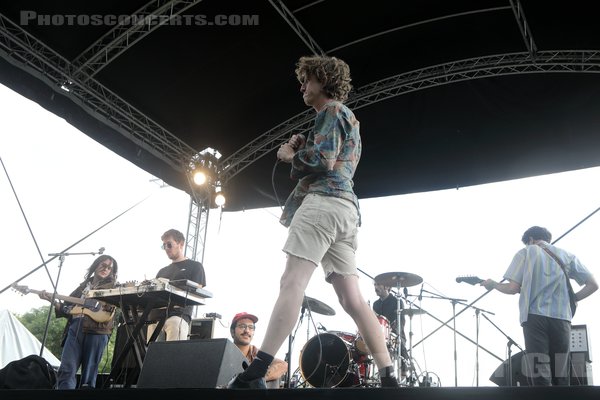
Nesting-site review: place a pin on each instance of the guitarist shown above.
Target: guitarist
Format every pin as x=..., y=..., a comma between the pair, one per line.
x=84, y=339
x=545, y=311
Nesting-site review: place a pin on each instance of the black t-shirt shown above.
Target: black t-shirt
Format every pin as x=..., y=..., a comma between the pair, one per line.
x=186, y=269
x=388, y=307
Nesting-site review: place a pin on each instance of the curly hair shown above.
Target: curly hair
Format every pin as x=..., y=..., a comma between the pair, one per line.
x=536, y=233
x=331, y=72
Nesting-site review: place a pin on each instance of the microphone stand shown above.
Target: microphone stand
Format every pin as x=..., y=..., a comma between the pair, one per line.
x=477, y=312
x=453, y=301
x=288, y=356
x=61, y=257
x=412, y=304
x=71, y=246
x=508, y=347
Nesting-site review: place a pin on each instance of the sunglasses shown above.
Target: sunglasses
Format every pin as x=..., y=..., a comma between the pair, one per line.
x=168, y=245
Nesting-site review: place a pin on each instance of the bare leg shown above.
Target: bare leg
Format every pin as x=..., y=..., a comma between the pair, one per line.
x=294, y=281
x=351, y=299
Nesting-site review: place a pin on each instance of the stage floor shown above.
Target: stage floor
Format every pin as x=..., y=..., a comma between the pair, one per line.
x=431, y=393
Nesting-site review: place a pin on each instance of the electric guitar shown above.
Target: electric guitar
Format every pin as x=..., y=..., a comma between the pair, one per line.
x=93, y=308
x=471, y=280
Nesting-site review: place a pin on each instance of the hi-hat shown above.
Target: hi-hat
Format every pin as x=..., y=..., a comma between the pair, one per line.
x=394, y=279
x=410, y=312
x=317, y=306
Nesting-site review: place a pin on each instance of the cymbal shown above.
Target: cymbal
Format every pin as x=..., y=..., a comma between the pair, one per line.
x=393, y=279
x=410, y=312
x=317, y=306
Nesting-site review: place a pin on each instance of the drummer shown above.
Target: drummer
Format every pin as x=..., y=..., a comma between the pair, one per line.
x=387, y=305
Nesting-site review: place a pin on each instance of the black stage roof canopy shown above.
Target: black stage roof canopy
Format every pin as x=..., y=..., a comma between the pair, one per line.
x=449, y=93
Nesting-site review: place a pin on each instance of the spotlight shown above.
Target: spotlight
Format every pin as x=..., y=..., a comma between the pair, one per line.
x=219, y=199
x=199, y=177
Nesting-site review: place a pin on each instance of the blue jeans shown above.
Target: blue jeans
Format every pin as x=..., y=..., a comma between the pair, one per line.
x=547, y=344
x=80, y=349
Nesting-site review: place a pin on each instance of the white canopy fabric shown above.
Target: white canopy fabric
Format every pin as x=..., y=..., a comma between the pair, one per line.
x=17, y=342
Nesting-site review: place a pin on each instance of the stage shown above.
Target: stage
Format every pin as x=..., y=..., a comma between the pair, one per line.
x=415, y=393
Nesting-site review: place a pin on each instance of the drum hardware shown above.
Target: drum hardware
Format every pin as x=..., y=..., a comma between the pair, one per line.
x=386, y=329
x=410, y=312
x=317, y=306
x=310, y=304
x=399, y=280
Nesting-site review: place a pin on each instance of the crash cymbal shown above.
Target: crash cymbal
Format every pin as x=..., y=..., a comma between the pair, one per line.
x=317, y=306
x=410, y=312
x=394, y=279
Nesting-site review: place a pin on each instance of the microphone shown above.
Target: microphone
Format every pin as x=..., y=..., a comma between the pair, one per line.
x=321, y=327
x=101, y=250
x=421, y=293
x=405, y=292
x=302, y=141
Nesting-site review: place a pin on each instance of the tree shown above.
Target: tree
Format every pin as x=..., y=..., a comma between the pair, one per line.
x=35, y=321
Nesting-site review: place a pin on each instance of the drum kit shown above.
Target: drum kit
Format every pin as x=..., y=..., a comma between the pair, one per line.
x=342, y=359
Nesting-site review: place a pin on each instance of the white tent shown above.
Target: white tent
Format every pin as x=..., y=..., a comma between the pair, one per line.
x=17, y=342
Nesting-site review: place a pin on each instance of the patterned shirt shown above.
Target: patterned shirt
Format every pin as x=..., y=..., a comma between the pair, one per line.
x=327, y=163
x=543, y=285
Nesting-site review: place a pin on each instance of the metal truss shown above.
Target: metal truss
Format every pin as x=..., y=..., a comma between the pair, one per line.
x=524, y=27
x=127, y=33
x=414, y=24
x=25, y=51
x=297, y=27
x=195, y=241
x=567, y=61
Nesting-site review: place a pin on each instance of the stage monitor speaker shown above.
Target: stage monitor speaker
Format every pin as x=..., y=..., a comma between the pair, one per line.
x=206, y=363
x=581, y=371
x=499, y=377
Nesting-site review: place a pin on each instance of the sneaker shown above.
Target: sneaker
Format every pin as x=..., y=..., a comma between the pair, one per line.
x=389, y=382
x=238, y=383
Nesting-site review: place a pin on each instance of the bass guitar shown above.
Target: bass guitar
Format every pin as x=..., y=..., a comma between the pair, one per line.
x=93, y=308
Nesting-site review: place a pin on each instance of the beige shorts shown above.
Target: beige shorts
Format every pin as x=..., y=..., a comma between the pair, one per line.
x=324, y=230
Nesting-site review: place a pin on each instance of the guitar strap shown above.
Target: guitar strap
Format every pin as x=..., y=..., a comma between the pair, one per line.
x=562, y=266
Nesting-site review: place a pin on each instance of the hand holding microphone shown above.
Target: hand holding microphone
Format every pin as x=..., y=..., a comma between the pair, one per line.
x=297, y=141
x=287, y=150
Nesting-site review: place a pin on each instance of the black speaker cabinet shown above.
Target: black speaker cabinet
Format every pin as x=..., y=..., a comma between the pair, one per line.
x=202, y=328
x=581, y=371
x=206, y=363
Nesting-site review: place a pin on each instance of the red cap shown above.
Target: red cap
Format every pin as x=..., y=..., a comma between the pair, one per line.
x=243, y=315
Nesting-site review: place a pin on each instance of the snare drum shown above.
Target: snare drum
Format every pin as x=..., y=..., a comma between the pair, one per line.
x=384, y=325
x=386, y=328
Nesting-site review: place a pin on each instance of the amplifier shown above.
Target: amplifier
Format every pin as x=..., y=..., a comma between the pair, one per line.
x=580, y=341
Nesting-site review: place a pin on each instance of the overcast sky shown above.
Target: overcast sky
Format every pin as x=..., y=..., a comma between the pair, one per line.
x=69, y=185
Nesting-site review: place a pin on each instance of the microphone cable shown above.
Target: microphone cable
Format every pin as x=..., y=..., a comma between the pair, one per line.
x=277, y=161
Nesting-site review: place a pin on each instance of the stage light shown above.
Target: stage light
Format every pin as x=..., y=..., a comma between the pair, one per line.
x=220, y=199
x=199, y=177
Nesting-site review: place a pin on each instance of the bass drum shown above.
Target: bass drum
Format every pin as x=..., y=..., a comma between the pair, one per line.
x=325, y=361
